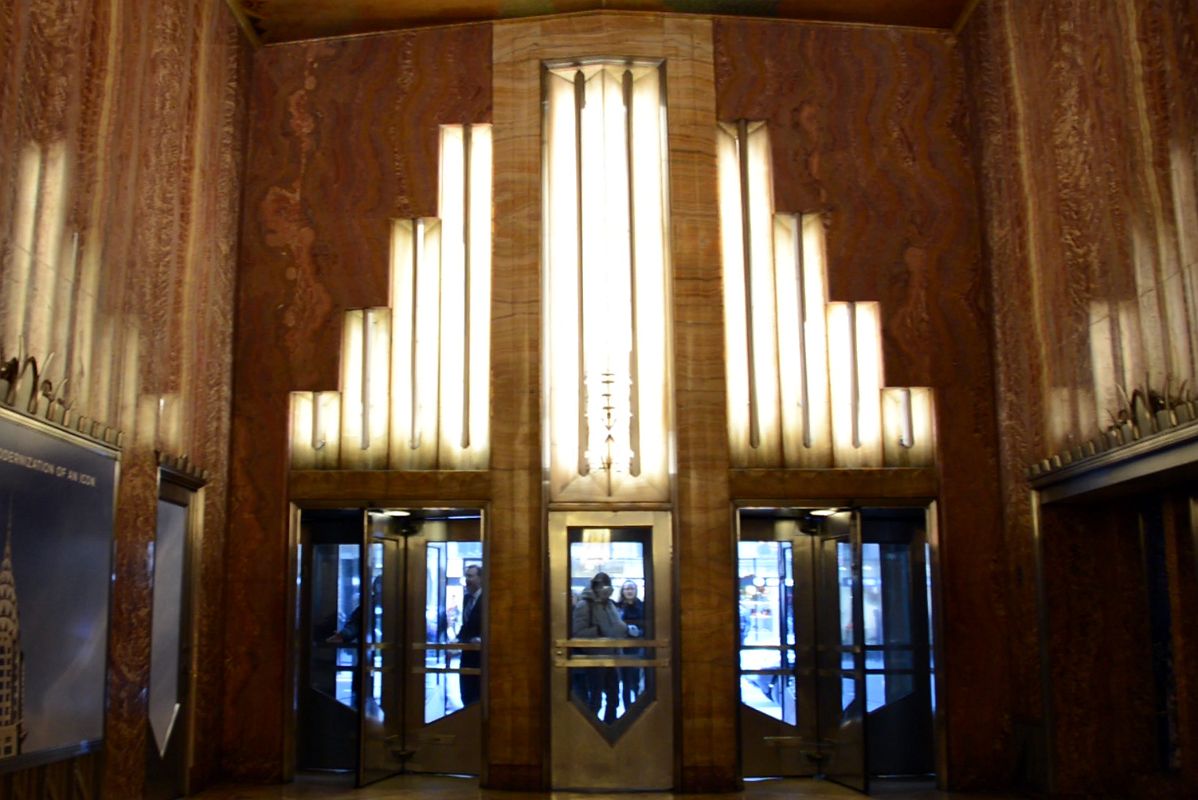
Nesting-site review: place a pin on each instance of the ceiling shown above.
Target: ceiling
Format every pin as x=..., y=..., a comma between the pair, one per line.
x=291, y=20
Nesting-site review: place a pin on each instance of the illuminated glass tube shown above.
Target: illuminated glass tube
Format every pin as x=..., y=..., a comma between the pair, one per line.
x=303, y=426
x=326, y=437
x=365, y=383
x=907, y=426
x=606, y=319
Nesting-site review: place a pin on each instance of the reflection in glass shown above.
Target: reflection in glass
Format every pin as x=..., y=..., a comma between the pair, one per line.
x=451, y=614
x=336, y=621
x=844, y=575
x=610, y=598
x=767, y=628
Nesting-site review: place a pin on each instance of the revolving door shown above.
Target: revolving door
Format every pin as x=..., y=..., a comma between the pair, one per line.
x=836, y=664
x=391, y=623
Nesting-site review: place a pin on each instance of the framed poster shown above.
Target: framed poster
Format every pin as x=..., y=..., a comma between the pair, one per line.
x=57, y=498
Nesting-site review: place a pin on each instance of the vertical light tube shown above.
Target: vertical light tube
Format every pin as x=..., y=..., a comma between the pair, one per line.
x=842, y=379
x=565, y=440
x=327, y=433
x=746, y=239
x=303, y=429
x=477, y=403
x=580, y=92
x=353, y=335
x=907, y=427
x=414, y=361
x=429, y=302
x=467, y=228
x=750, y=285
x=867, y=337
x=791, y=327
x=634, y=413
x=454, y=336
x=736, y=324
x=376, y=385
x=404, y=257
x=651, y=396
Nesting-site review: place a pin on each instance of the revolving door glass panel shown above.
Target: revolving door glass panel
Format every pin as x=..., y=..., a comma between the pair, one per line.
x=836, y=663
x=391, y=610
x=452, y=614
x=611, y=602
x=330, y=570
x=767, y=628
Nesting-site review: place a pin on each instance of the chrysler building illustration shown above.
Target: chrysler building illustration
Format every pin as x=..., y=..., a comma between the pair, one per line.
x=12, y=660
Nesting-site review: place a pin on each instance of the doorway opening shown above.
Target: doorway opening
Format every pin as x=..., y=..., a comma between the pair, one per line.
x=391, y=623
x=837, y=665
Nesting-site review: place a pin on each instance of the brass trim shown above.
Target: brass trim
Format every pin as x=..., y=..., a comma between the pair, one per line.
x=584, y=662
x=455, y=646
x=608, y=643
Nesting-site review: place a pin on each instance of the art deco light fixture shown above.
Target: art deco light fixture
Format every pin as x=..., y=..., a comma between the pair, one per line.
x=606, y=268
x=414, y=390
x=804, y=375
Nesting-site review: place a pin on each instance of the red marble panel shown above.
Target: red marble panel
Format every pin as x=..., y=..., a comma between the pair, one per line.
x=1085, y=120
x=342, y=139
x=1099, y=651
x=1181, y=542
x=120, y=129
x=868, y=127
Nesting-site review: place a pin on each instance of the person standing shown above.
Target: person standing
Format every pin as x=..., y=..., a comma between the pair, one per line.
x=632, y=611
x=595, y=617
x=471, y=632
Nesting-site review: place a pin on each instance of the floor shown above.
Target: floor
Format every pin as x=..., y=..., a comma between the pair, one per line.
x=410, y=787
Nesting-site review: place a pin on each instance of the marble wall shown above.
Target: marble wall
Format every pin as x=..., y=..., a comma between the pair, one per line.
x=120, y=159
x=1085, y=120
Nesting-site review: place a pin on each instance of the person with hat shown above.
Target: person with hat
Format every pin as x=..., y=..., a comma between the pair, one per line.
x=596, y=617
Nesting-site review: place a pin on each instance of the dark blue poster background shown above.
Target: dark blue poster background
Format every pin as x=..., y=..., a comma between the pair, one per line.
x=56, y=514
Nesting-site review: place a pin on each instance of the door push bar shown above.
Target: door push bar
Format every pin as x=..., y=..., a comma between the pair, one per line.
x=563, y=658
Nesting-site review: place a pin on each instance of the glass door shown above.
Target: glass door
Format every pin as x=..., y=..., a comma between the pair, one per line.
x=836, y=657
x=392, y=621
x=445, y=632
x=772, y=717
x=840, y=690
x=612, y=709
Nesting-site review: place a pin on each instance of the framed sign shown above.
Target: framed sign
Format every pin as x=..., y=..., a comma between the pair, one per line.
x=57, y=498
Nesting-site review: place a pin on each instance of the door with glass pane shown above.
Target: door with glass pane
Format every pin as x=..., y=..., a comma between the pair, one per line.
x=840, y=691
x=390, y=677
x=612, y=705
x=170, y=644
x=800, y=676
x=835, y=655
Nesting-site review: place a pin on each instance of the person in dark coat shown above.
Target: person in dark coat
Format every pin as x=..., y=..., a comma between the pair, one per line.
x=595, y=617
x=632, y=611
x=471, y=632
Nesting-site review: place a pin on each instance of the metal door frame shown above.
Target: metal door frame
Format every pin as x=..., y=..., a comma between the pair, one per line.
x=611, y=765
x=855, y=505
x=401, y=618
